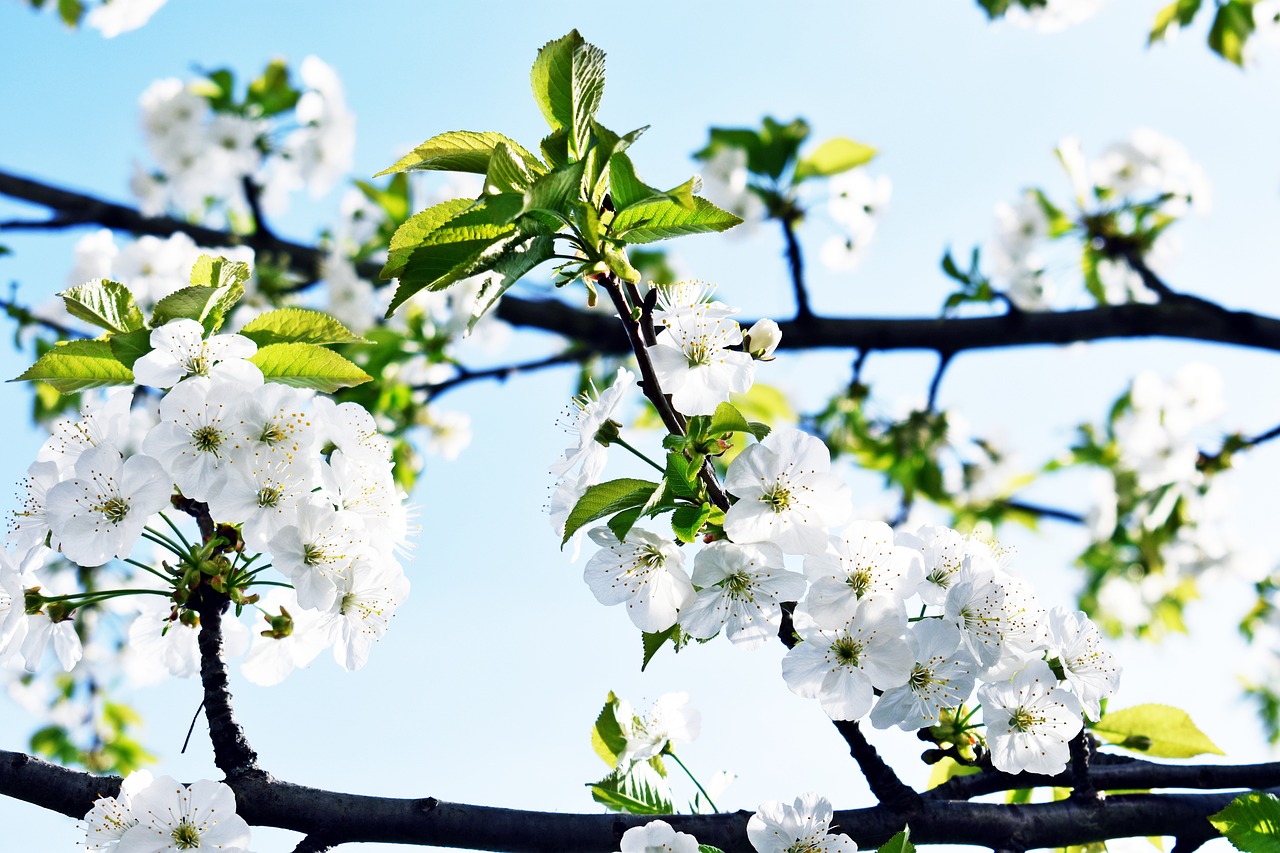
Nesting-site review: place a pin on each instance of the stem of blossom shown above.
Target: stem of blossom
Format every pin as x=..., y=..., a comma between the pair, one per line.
x=163, y=541
x=671, y=419
x=176, y=531
x=695, y=781
x=231, y=750
x=884, y=783
x=637, y=453
x=146, y=568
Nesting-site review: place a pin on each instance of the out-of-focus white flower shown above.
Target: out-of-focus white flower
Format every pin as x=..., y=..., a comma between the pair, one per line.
x=1053, y=15
x=669, y=721
x=114, y=17
x=724, y=184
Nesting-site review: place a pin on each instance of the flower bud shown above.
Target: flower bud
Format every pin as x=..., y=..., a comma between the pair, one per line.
x=762, y=339
x=190, y=618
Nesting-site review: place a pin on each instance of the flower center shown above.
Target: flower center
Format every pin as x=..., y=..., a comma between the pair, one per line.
x=651, y=557
x=312, y=554
x=739, y=585
x=185, y=836
x=698, y=353
x=198, y=365
x=778, y=498
x=860, y=581
x=272, y=434
x=269, y=496
x=115, y=509
x=847, y=651
x=207, y=439
x=920, y=678
x=1022, y=720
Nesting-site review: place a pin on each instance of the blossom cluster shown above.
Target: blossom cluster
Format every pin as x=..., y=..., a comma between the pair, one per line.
x=276, y=471
x=205, y=148
x=1148, y=170
x=776, y=827
x=854, y=640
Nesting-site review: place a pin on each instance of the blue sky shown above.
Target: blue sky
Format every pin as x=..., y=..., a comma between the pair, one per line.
x=485, y=689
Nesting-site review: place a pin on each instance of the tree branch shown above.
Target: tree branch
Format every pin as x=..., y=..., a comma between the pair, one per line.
x=231, y=750
x=795, y=263
x=1183, y=317
x=337, y=818
x=883, y=781
x=503, y=373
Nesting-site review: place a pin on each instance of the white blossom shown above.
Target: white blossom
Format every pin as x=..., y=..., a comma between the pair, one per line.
x=173, y=816
x=1030, y=721
x=805, y=826
x=644, y=571
x=742, y=590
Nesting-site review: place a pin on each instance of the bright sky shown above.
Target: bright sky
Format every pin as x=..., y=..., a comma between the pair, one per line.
x=487, y=685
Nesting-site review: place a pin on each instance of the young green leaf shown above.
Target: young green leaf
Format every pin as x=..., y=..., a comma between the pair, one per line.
x=687, y=521
x=104, y=303
x=627, y=190
x=303, y=365
x=653, y=642
x=459, y=151
x=1232, y=26
x=297, y=325
x=606, y=735
x=900, y=843
x=210, y=271
x=1180, y=12
x=638, y=791
x=568, y=82
x=507, y=172
x=1160, y=731
x=606, y=499
x=76, y=365
x=130, y=346
x=555, y=190
x=833, y=157
x=271, y=93
x=415, y=230
x=517, y=260
x=206, y=304
x=1251, y=822
x=664, y=219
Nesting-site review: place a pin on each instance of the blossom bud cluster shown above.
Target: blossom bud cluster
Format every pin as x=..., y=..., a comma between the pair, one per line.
x=278, y=471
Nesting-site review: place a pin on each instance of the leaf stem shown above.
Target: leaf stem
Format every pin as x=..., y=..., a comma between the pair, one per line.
x=623, y=444
x=695, y=781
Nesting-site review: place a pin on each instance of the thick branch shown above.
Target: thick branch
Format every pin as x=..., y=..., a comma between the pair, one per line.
x=1184, y=317
x=231, y=750
x=340, y=818
x=884, y=783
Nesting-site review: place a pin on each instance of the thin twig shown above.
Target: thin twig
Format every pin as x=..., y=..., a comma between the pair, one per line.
x=503, y=373
x=944, y=359
x=795, y=263
x=191, y=728
x=1043, y=511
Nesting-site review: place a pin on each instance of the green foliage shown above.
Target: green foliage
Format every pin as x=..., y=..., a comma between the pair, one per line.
x=106, y=304
x=1251, y=822
x=606, y=735
x=833, y=157
x=1180, y=12
x=652, y=642
x=297, y=325
x=76, y=365
x=460, y=151
x=1159, y=731
x=607, y=498
x=900, y=843
x=304, y=365
x=635, y=792
x=269, y=94
x=1232, y=26
x=663, y=219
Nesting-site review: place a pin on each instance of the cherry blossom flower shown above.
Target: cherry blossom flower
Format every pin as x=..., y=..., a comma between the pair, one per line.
x=942, y=677
x=668, y=722
x=367, y=598
x=976, y=605
x=805, y=826
x=193, y=439
x=274, y=420
x=100, y=513
x=173, y=816
x=657, y=836
x=111, y=817
x=1030, y=721
x=179, y=350
x=1076, y=646
x=786, y=494
x=30, y=525
x=643, y=570
x=104, y=421
x=262, y=496
x=595, y=409
x=742, y=588
x=943, y=551
x=43, y=630
x=317, y=552
x=694, y=365
x=842, y=667
x=120, y=16
x=351, y=429
x=862, y=562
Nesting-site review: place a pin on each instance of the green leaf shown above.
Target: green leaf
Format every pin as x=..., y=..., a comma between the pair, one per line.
x=707, y=848
x=1179, y=11
x=555, y=190
x=415, y=230
x=298, y=325
x=555, y=148
x=622, y=523
x=661, y=220
x=106, y=304
x=627, y=190
x=206, y=305
x=1251, y=822
x=130, y=346
x=900, y=843
x=70, y=11
x=1232, y=26
x=833, y=157
x=75, y=365
x=517, y=260
x=606, y=499
x=948, y=768
x=458, y=151
x=639, y=791
x=1161, y=731
x=210, y=271
x=606, y=735
x=686, y=521
x=568, y=82
x=653, y=642
x=453, y=252
x=507, y=172
x=303, y=365
x=272, y=93
x=727, y=418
